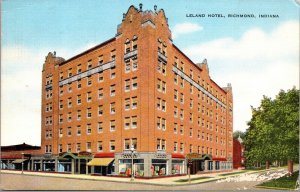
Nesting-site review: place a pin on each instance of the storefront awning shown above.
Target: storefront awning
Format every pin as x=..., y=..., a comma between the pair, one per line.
x=178, y=156
x=100, y=162
x=19, y=160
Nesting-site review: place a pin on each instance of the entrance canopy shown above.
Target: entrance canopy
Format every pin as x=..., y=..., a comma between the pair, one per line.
x=19, y=160
x=100, y=162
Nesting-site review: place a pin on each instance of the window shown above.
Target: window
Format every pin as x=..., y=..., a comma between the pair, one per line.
x=191, y=103
x=69, y=148
x=78, y=115
x=175, y=111
x=112, y=145
x=134, y=64
x=163, y=144
x=175, y=95
x=134, y=143
x=191, y=89
x=70, y=72
x=134, y=102
x=191, y=118
x=112, y=125
x=100, y=60
x=69, y=102
x=89, y=65
x=88, y=146
x=69, y=88
x=61, y=106
x=112, y=108
x=158, y=144
x=78, y=147
x=78, y=99
x=89, y=96
x=163, y=124
x=69, y=116
x=127, y=66
x=127, y=123
x=181, y=114
x=161, y=86
x=127, y=104
x=161, y=67
x=134, y=44
x=100, y=110
x=60, y=149
x=88, y=129
x=100, y=93
x=191, y=148
x=113, y=55
x=100, y=77
x=89, y=113
x=61, y=75
x=181, y=148
x=60, y=118
x=158, y=120
x=127, y=144
x=161, y=104
x=175, y=78
x=127, y=85
x=99, y=146
x=69, y=133
x=175, y=146
x=134, y=83
x=181, y=82
x=112, y=90
x=191, y=132
x=78, y=130
x=100, y=127
x=199, y=150
x=89, y=80
x=181, y=98
x=60, y=132
x=112, y=73
x=134, y=122
x=79, y=84
x=181, y=129
x=175, y=128
x=79, y=68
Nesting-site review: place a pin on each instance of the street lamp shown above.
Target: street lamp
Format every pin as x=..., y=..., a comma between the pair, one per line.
x=132, y=152
x=22, y=163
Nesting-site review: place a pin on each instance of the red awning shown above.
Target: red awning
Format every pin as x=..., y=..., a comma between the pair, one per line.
x=178, y=156
x=219, y=159
x=103, y=155
x=11, y=156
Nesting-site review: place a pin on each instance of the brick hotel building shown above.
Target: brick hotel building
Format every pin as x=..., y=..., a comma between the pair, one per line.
x=137, y=90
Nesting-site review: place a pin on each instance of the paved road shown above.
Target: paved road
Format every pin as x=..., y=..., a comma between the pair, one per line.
x=28, y=182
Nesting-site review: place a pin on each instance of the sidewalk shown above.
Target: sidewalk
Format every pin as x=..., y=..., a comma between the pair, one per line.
x=167, y=181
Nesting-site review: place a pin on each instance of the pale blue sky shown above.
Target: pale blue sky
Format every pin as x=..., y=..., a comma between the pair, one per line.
x=258, y=56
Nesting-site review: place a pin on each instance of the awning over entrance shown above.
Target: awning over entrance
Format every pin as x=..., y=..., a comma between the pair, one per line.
x=19, y=160
x=100, y=162
x=178, y=156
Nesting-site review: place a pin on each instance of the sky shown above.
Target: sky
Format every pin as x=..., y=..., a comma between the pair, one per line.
x=258, y=56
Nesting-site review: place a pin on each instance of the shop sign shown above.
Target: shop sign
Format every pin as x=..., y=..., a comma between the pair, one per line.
x=193, y=156
x=84, y=153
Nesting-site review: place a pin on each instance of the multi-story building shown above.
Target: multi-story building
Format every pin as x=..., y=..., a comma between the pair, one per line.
x=136, y=91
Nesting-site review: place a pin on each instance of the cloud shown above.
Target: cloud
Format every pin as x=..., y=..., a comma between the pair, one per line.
x=184, y=28
x=259, y=63
x=21, y=77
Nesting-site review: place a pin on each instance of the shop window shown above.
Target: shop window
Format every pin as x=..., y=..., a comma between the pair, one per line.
x=158, y=167
x=177, y=167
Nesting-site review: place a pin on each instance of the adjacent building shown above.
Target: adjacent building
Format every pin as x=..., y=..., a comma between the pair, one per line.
x=238, y=153
x=135, y=96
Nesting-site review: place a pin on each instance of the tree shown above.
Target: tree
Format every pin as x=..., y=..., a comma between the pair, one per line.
x=238, y=133
x=273, y=133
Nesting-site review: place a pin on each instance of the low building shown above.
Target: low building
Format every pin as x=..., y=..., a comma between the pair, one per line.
x=238, y=153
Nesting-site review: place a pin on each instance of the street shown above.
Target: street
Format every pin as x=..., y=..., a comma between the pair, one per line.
x=29, y=182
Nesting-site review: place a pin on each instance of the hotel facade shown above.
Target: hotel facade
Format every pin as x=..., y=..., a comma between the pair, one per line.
x=135, y=96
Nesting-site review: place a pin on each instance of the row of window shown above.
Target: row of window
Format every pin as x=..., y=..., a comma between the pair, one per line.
x=128, y=143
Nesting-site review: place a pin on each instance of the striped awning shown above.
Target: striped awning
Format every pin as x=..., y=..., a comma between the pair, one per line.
x=19, y=160
x=100, y=162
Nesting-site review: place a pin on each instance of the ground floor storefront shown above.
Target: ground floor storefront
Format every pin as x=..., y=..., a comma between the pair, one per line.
x=140, y=164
